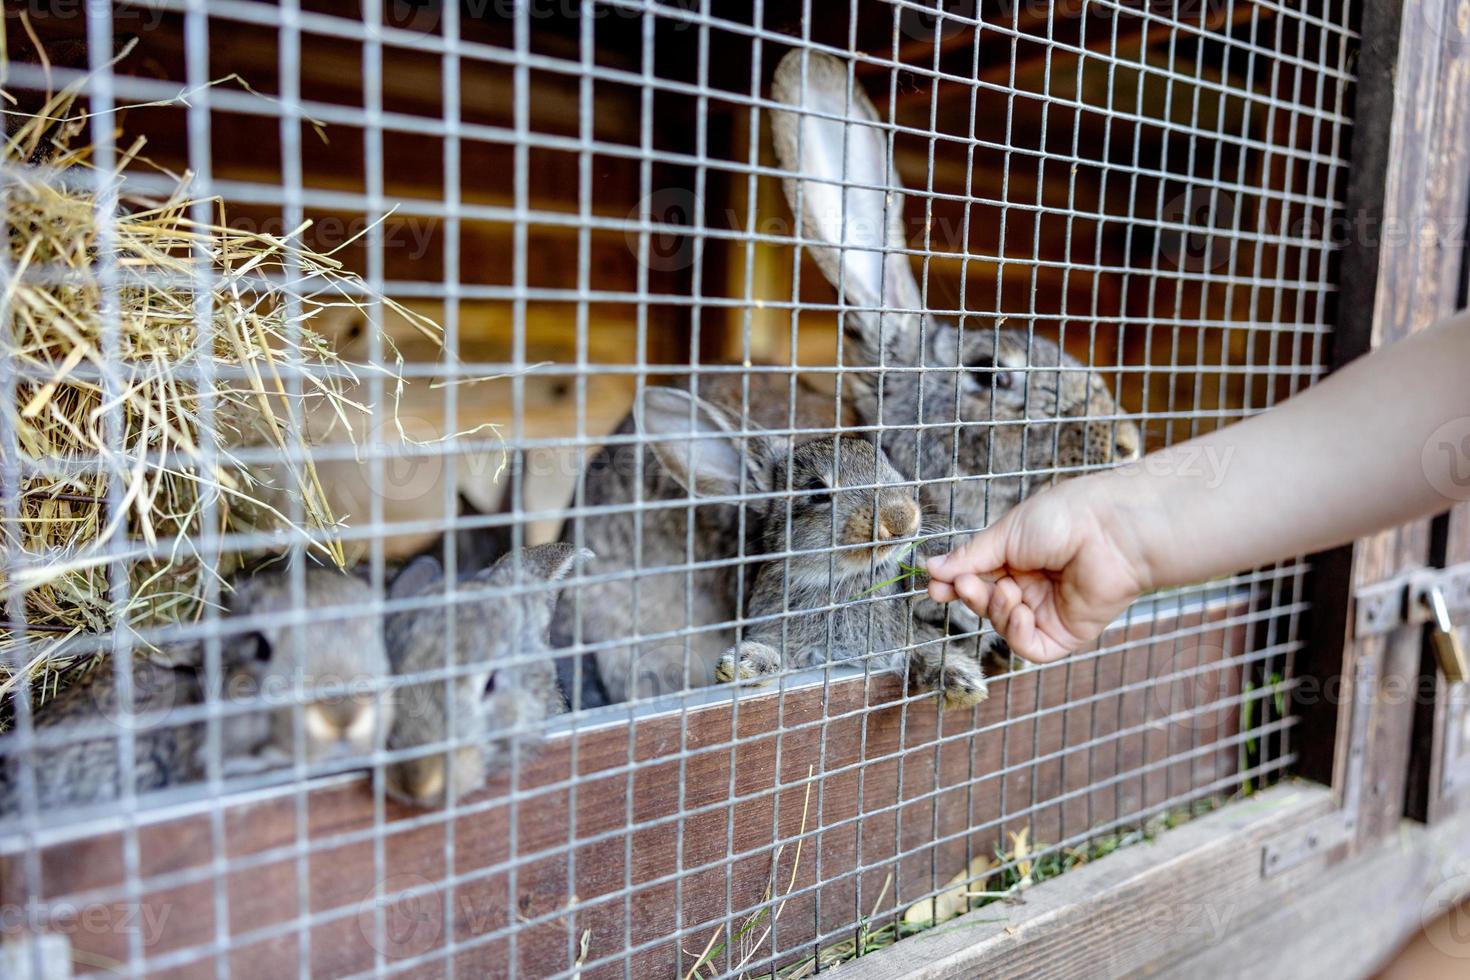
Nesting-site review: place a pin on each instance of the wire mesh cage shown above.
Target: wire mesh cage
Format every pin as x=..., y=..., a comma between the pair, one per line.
x=464, y=465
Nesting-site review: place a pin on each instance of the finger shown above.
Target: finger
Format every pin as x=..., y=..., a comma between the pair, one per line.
x=942, y=591
x=1004, y=598
x=975, y=591
x=1021, y=635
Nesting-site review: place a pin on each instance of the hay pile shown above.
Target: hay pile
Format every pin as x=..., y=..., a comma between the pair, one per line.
x=108, y=386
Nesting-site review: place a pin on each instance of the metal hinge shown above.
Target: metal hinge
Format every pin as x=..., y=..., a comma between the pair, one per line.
x=1404, y=599
x=1339, y=826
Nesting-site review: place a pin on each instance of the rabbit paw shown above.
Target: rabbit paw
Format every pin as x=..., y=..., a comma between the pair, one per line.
x=952, y=619
x=963, y=683
x=997, y=652
x=748, y=661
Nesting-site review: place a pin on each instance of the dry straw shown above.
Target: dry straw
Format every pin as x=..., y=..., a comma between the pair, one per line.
x=121, y=387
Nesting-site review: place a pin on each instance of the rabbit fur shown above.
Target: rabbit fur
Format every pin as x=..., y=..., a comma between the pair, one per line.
x=255, y=664
x=502, y=680
x=816, y=604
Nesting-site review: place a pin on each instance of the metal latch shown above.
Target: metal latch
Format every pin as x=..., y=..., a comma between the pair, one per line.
x=1406, y=599
x=1446, y=641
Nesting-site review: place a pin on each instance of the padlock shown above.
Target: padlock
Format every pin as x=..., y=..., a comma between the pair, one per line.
x=1446, y=641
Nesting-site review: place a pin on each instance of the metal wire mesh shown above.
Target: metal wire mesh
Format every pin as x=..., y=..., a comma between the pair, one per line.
x=1135, y=203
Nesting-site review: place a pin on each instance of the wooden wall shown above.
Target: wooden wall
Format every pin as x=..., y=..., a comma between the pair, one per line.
x=683, y=810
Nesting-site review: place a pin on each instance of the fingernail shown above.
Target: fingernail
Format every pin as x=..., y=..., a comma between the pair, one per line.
x=936, y=564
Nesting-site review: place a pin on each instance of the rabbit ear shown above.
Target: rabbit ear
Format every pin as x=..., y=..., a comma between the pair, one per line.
x=548, y=562
x=703, y=449
x=832, y=140
x=416, y=577
x=552, y=562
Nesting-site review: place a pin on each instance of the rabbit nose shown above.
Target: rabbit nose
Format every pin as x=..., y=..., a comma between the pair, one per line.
x=1125, y=444
x=423, y=783
x=898, y=519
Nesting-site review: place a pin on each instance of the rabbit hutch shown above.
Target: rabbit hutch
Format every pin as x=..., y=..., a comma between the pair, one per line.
x=465, y=468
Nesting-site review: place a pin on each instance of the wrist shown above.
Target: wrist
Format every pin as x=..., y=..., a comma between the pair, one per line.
x=1127, y=507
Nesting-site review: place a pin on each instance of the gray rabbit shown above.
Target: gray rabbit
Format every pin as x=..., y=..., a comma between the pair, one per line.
x=667, y=560
x=999, y=410
x=834, y=515
x=500, y=684
x=259, y=669
x=339, y=661
x=85, y=770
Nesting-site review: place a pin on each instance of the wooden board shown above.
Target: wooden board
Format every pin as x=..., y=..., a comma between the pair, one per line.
x=1409, y=95
x=681, y=821
x=1128, y=915
x=1439, y=780
x=1194, y=904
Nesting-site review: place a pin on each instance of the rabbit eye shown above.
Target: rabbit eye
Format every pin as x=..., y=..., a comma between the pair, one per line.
x=987, y=375
x=261, y=649
x=818, y=493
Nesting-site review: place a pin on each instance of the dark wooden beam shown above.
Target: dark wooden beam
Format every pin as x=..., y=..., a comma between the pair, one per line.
x=1392, y=284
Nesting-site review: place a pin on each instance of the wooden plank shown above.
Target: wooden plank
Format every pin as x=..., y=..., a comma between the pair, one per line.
x=682, y=844
x=1438, y=782
x=1193, y=904
x=1351, y=920
x=1126, y=915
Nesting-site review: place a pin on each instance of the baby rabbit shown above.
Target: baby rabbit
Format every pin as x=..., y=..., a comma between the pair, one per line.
x=872, y=522
x=816, y=578
x=342, y=656
x=999, y=403
x=85, y=770
x=494, y=704
x=255, y=664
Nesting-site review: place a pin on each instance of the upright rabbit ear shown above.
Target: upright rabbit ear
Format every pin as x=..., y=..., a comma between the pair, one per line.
x=834, y=141
x=699, y=445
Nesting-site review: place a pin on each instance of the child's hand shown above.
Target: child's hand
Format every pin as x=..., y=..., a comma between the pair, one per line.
x=1052, y=573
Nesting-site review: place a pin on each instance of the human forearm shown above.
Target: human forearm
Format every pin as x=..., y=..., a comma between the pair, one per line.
x=1353, y=454
x=1382, y=441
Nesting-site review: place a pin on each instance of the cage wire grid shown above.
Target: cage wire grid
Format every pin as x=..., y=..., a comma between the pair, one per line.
x=1133, y=730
